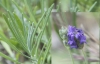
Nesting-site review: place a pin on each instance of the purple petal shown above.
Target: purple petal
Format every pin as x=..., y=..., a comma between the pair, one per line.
x=83, y=39
x=73, y=34
x=71, y=28
x=74, y=46
x=79, y=30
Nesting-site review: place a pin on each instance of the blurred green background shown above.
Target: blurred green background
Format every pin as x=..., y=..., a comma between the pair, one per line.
x=86, y=16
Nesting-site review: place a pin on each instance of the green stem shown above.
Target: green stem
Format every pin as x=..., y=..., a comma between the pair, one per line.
x=74, y=19
x=70, y=54
x=84, y=57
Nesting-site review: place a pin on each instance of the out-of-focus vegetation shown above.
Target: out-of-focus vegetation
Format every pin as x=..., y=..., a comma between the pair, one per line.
x=25, y=33
x=32, y=11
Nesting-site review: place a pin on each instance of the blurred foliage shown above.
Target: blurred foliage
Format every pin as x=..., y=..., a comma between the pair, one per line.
x=33, y=10
x=29, y=32
x=85, y=5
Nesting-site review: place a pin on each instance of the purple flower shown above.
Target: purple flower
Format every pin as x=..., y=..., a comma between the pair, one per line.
x=75, y=37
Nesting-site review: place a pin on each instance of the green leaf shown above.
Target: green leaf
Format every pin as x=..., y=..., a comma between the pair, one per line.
x=43, y=28
x=13, y=26
x=19, y=22
x=34, y=32
x=92, y=7
x=9, y=58
x=8, y=49
x=3, y=38
x=47, y=51
x=32, y=17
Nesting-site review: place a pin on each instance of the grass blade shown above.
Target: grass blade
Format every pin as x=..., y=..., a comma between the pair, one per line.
x=9, y=58
x=92, y=7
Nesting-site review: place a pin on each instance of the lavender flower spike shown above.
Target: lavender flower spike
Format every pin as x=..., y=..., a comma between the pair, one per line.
x=76, y=38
